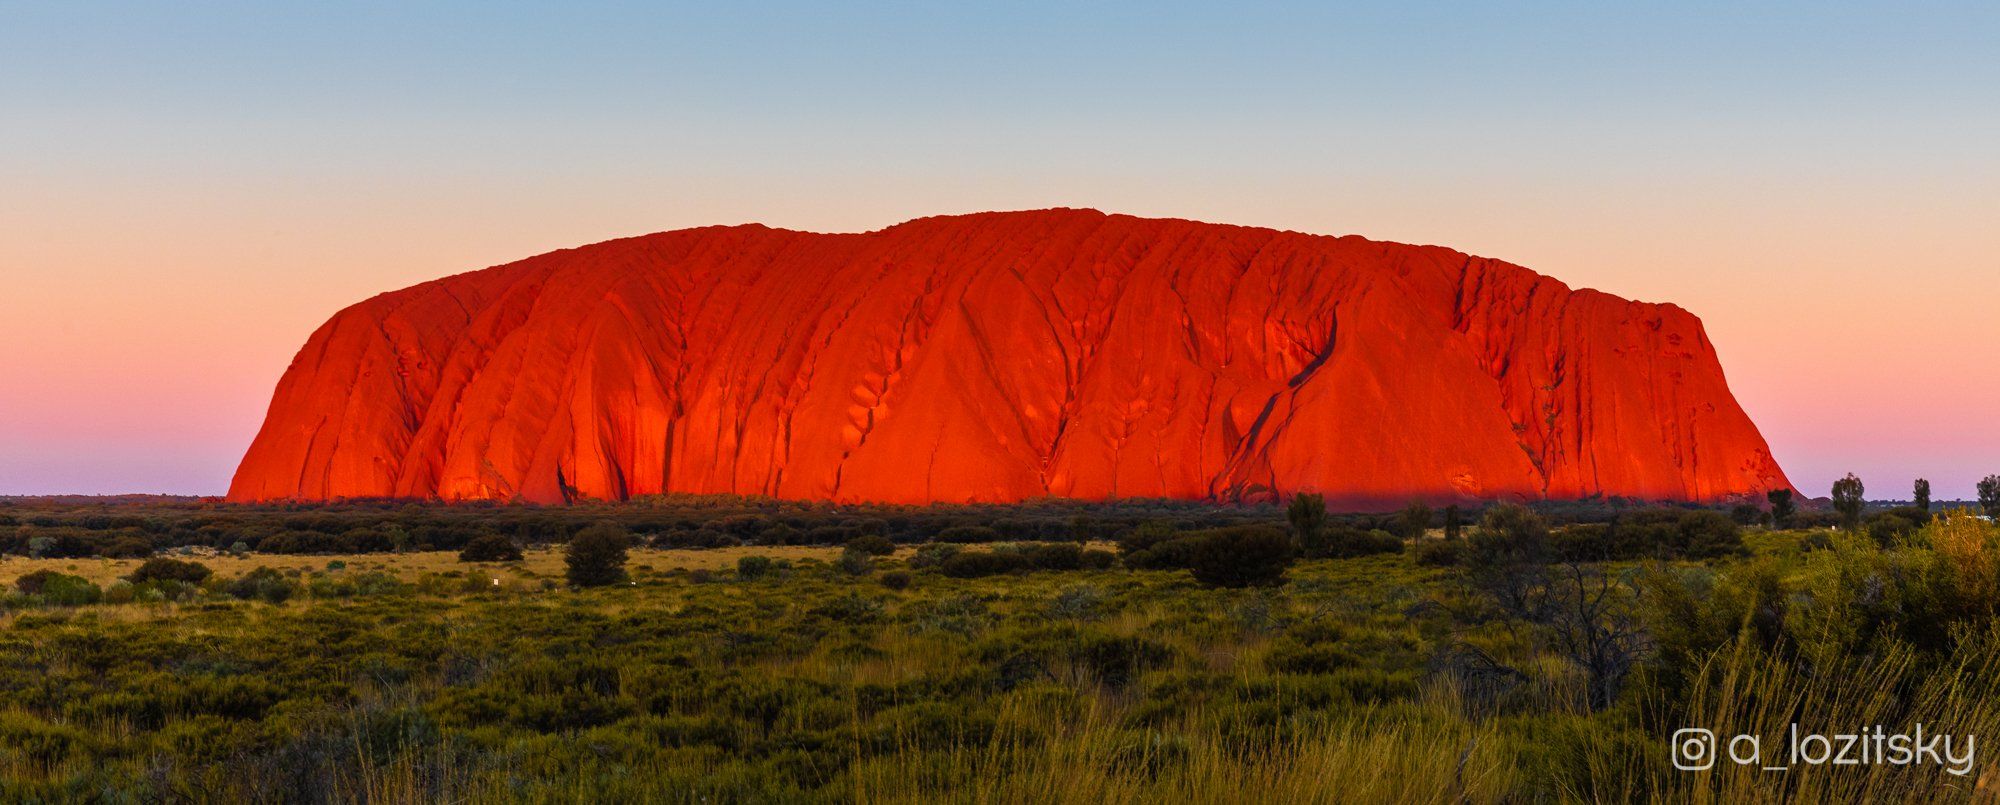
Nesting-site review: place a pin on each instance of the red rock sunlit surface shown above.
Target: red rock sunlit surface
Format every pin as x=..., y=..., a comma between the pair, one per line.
x=1004, y=356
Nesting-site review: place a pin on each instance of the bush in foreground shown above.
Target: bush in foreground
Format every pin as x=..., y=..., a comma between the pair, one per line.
x=595, y=557
x=1241, y=556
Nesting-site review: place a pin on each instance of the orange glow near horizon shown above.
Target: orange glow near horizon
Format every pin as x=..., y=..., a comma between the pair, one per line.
x=154, y=349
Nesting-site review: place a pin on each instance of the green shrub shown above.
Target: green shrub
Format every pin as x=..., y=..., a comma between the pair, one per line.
x=1346, y=542
x=754, y=567
x=1152, y=554
x=595, y=557
x=1651, y=534
x=1054, y=555
x=32, y=583
x=490, y=548
x=1148, y=535
x=933, y=555
x=855, y=562
x=127, y=548
x=59, y=589
x=164, y=590
x=119, y=592
x=170, y=570
x=263, y=584
x=1896, y=526
x=895, y=579
x=968, y=534
x=974, y=564
x=872, y=545
x=1242, y=556
x=1439, y=552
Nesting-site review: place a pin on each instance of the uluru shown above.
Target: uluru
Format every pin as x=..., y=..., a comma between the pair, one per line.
x=999, y=357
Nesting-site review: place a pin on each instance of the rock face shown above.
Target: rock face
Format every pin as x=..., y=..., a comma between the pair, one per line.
x=1003, y=356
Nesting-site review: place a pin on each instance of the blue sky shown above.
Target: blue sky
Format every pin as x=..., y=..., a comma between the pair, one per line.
x=186, y=190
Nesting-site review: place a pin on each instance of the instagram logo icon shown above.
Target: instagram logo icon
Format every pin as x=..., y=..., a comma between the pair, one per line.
x=1694, y=749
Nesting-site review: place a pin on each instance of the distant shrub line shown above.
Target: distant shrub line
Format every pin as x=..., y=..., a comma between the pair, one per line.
x=140, y=530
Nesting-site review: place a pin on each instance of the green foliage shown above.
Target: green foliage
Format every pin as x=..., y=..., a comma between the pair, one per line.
x=595, y=557
x=977, y=564
x=1053, y=555
x=1511, y=535
x=1011, y=558
x=1082, y=602
x=1920, y=495
x=933, y=555
x=1240, y=556
x=1897, y=525
x=1746, y=514
x=1506, y=558
x=755, y=567
x=1847, y=500
x=1782, y=507
x=58, y=589
x=262, y=584
x=1070, y=655
x=176, y=570
x=855, y=562
x=1414, y=521
x=1381, y=674
x=490, y=548
x=1346, y=542
x=1439, y=552
x=872, y=545
x=127, y=548
x=968, y=533
x=1651, y=534
x=32, y=583
x=1307, y=515
x=1989, y=495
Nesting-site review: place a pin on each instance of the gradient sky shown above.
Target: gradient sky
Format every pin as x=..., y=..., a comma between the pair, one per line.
x=187, y=190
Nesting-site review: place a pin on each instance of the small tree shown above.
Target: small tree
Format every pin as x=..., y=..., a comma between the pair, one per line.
x=596, y=555
x=1921, y=494
x=1308, y=517
x=1508, y=559
x=1847, y=500
x=1782, y=508
x=1415, y=520
x=1577, y=608
x=490, y=548
x=1454, y=522
x=1989, y=495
